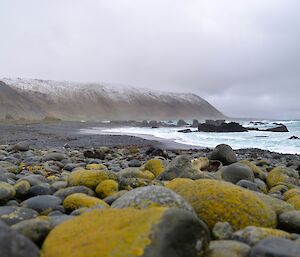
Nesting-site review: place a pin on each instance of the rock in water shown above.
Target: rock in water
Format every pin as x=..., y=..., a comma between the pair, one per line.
x=224, y=154
x=13, y=244
x=129, y=232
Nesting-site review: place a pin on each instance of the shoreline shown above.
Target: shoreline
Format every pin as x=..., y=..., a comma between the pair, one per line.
x=58, y=134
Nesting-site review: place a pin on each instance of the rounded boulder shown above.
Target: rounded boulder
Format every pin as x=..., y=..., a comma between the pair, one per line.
x=218, y=201
x=129, y=232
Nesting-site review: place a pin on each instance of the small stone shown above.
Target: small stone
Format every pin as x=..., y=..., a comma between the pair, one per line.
x=79, y=200
x=42, y=203
x=89, y=178
x=54, y=156
x=106, y=188
x=134, y=163
x=227, y=248
x=22, y=146
x=290, y=221
x=13, y=214
x=22, y=188
x=236, y=172
x=252, y=235
x=155, y=166
x=41, y=189
x=275, y=247
x=248, y=185
x=34, y=229
x=222, y=231
x=64, y=192
x=7, y=192
x=180, y=167
x=282, y=175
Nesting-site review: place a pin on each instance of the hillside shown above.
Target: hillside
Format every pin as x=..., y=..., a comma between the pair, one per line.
x=35, y=99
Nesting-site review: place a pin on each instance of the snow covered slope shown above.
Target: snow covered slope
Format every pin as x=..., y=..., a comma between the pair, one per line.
x=90, y=101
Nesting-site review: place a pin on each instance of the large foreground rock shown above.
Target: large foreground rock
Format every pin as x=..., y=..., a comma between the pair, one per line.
x=221, y=201
x=129, y=232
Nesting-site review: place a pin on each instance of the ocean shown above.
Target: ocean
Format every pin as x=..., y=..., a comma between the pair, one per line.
x=273, y=141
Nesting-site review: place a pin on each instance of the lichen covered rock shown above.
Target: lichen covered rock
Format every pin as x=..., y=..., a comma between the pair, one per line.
x=221, y=201
x=106, y=188
x=129, y=232
x=282, y=175
x=89, y=178
x=79, y=200
x=155, y=166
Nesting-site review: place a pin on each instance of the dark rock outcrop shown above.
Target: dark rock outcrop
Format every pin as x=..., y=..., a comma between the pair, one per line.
x=280, y=128
x=224, y=127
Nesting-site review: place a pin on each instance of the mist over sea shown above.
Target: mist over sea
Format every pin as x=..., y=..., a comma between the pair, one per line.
x=273, y=141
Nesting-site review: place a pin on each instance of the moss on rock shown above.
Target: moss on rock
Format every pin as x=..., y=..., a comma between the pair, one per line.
x=79, y=200
x=129, y=232
x=89, y=178
x=106, y=188
x=291, y=193
x=216, y=201
x=281, y=175
x=155, y=166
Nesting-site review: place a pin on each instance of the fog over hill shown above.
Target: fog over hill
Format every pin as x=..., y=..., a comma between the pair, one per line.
x=35, y=99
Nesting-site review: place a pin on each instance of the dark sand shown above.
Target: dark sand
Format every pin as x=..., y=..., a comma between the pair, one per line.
x=58, y=134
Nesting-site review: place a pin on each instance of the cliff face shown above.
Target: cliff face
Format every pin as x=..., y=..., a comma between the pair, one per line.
x=35, y=99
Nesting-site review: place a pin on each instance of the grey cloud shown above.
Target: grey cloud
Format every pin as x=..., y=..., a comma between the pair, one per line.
x=242, y=56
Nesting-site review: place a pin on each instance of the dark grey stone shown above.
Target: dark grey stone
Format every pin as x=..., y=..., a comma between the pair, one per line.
x=42, y=203
x=34, y=229
x=224, y=154
x=64, y=192
x=235, y=172
x=13, y=214
x=275, y=247
x=290, y=221
x=178, y=234
x=249, y=185
x=13, y=244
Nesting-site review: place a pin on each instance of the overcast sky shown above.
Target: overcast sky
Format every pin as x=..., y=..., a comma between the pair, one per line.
x=241, y=56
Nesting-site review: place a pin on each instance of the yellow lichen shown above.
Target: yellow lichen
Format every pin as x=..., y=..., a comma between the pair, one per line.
x=291, y=193
x=109, y=233
x=280, y=175
x=216, y=201
x=106, y=188
x=96, y=166
x=295, y=201
x=89, y=178
x=155, y=166
x=79, y=200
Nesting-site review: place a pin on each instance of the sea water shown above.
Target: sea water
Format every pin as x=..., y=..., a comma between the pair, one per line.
x=273, y=141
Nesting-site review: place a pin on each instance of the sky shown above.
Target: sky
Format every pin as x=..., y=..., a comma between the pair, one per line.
x=241, y=56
